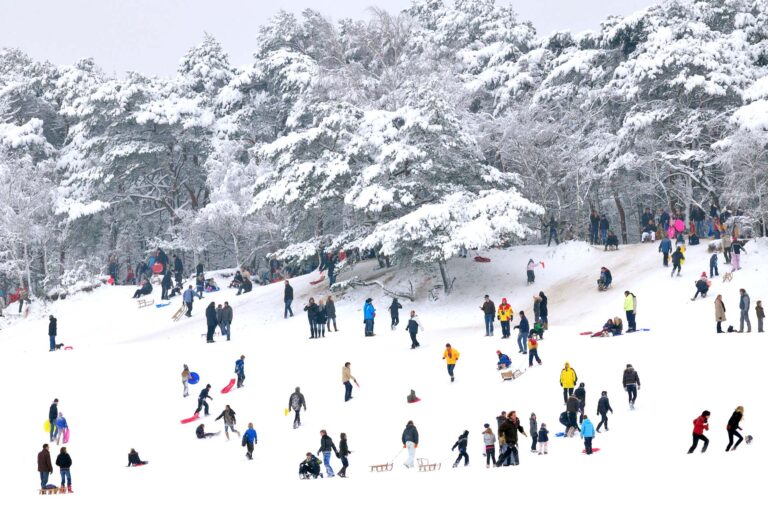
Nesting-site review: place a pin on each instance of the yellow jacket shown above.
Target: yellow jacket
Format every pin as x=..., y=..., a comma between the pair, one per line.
x=451, y=357
x=505, y=312
x=568, y=377
x=346, y=374
x=629, y=303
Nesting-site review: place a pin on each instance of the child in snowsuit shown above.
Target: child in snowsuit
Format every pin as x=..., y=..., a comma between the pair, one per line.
x=543, y=439
x=461, y=443
x=533, y=349
x=677, y=260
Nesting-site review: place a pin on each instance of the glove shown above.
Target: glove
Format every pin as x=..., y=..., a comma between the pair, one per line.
x=403, y=446
x=416, y=446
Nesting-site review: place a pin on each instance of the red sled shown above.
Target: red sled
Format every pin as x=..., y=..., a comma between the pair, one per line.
x=68, y=348
x=191, y=418
x=157, y=268
x=482, y=259
x=585, y=333
x=594, y=450
x=228, y=387
x=322, y=277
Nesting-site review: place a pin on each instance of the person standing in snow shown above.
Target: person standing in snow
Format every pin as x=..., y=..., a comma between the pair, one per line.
x=734, y=427
x=489, y=309
x=202, y=400
x=572, y=406
x=326, y=446
x=665, y=246
x=61, y=429
x=185, y=376
x=287, y=299
x=249, y=440
x=509, y=429
x=53, y=414
x=320, y=319
x=296, y=402
x=726, y=242
x=346, y=376
x=713, y=266
x=700, y=424
x=240, y=370
x=533, y=349
x=568, y=380
x=529, y=271
x=594, y=226
x=581, y=394
x=64, y=461
x=311, y=309
x=369, y=314
x=544, y=310
x=413, y=327
x=587, y=433
x=44, y=466
x=522, y=333
x=631, y=382
x=188, y=297
x=677, y=260
x=226, y=320
x=410, y=440
x=760, y=316
x=211, y=322
x=543, y=439
x=552, y=230
x=330, y=312
x=744, y=308
x=343, y=454
x=489, y=440
x=536, y=308
x=451, y=356
x=604, y=224
x=630, y=308
x=603, y=406
x=505, y=315
x=178, y=268
x=52, y=331
x=229, y=421
x=461, y=444
x=533, y=428
x=165, y=285
x=719, y=312
x=200, y=285
x=394, y=312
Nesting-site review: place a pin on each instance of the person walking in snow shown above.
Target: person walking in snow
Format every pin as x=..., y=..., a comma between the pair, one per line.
x=544, y=310
x=533, y=349
x=188, y=297
x=581, y=394
x=346, y=376
x=287, y=300
x=410, y=440
x=568, y=380
x=533, y=428
x=53, y=414
x=631, y=382
x=413, y=327
x=665, y=246
x=702, y=286
x=505, y=314
x=587, y=433
x=630, y=308
x=249, y=440
x=603, y=406
x=489, y=440
x=543, y=439
x=744, y=308
x=394, y=312
x=736, y=247
x=330, y=312
x=185, y=376
x=677, y=260
x=451, y=356
x=522, y=333
x=225, y=322
x=211, y=322
x=713, y=266
x=719, y=312
x=344, y=452
x=461, y=444
x=529, y=271
x=64, y=461
x=760, y=316
x=726, y=242
x=320, y=319
x=326, y=447
x=700, y=424
x=229, y=421
x=240, y=371
x=733, y=427
x=296, y=402
x=202, y=400
x=489, y=309
x=369, y=314
x=552, y=231
x=61, y=429
x=509, y=429
x=52, y=332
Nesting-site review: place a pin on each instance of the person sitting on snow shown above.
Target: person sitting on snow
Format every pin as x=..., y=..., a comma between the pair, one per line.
x=611, y=240
x=605, y=279
x=649, y=232
x=310, y=467
x=504, y=361
x=237, y=280
x=412, y=398
x=145, y=290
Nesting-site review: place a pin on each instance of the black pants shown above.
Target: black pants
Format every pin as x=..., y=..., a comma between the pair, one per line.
x=249, y=446
x=727, y=255
x=675, y=266
x=534, y=440
x=209, y=333
x=164, y=295
x=665, y=258
x=414, y=342
x=603, y=421
x=632, y=392
x=201, y=403
x=505, y=331
x=696, y=438
x=334, y=324
x=395, y=320
x=572, y=421
x=240, y=379
x=344, y=465
x=593, y=235
x=490, y=455
x=588, y=445
x=732, y=433
x=509, y=455
x=189, y=308
x=719, y=326
x=567, y=392
x=296, y=418
x=462, y=455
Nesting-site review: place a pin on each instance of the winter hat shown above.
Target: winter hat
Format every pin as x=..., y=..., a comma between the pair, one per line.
x=604, y=393
x=498, y=352
x=368, y=300
x=486, y=425
x=504, y=300
x=543, y=425
x=703, y=274
x=581, y=385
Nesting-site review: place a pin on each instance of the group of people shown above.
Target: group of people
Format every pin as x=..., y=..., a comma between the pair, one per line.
x=320, y=315
x=701, y=424
x=505, y=315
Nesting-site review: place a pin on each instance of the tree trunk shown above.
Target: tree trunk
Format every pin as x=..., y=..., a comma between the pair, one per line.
x=27, y=268
x=622, y=218
x=236, y=250
x=447, y=285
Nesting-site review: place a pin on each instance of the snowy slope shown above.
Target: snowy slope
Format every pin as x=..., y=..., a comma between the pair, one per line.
x=120, y=388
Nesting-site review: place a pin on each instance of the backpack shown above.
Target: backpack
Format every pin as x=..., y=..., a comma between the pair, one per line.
x=564, y=418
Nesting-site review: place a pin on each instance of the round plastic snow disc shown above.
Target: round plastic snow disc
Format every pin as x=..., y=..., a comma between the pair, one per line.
x=194, y=378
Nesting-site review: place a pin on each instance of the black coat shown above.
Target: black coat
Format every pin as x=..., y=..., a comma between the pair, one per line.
x=461, y=443
x=326, y=445
x=394, y=308
x=210, y=315
x=510, y=429
x=52, y=327
x=167, y=281
x=64, y=461
x=178, y=265
x=543, y=310
x=288, y=293
x=330, y=310
x=343, y=448
x=53, y=412
x=733, y=423
x=146, y=289
x=603, y=406
x=311, y=311
x=322, y=315
x=410, y=434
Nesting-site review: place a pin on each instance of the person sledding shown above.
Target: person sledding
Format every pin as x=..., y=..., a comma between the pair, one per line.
x=611, y=241
x=702, y=286
x=612, y=327
x=605, y=279
x=504, y=361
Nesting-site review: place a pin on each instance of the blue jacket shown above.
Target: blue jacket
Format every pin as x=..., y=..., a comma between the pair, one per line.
x=504, y=360
x=368, y=311
x=250, y=436
x=239, y=366
x=543, y=435
x=188, y=296
x=587, y=429
x=61, y=423
x=665, y=246
x=523, y=326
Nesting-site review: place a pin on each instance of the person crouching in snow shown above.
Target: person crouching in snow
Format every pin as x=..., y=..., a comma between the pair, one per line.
x=461, y=444
x=702, y=286
x=504, y=361
x=309, y=467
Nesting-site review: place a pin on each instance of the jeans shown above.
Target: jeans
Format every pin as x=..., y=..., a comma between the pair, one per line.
x=201, y=403
x=544, y=320
x=53, y=429
x=593, y=235
x=713, y=270
x=490, y=455
x=331, y=277
x=320, y=329
x=395, y=320
x=567, y=392
x=411, y=446
x=347, y=391
x=699, y=224
x=451, y=366
x=533, y=354
x=534, y=440
x=509, y=455
x=240, y=379
x=414, y=342
x=488, y=324
x=603, y=421
x=631, y=320
x=588, y=445
x=312, y=328
x=665, y=258
x=368, y=327
x=760, y=325
x=43, y=479
x=288, y=308
x=66, y=476
x=603, y=235
x=224, y=327
x=53, y=342
x=328, y=325
x=552, y=234
x=327, y=463
x=297, y=418
x=696, y=438
x=745, y=318
x=522, y=342
x=731, y=434
x=505, y=331
x=720, y=325
x=632, y=392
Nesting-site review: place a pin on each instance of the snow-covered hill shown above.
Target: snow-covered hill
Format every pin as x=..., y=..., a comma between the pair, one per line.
x=120, y=388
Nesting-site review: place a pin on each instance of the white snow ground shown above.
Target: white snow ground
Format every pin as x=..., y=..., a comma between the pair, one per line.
x=120, y=388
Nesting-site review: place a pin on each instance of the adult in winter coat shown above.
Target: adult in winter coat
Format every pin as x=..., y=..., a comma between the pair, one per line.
x=522, y=333
x=744, y=309
x=581, y=394
x=64, y=461
x=229, y=420
x=320, y=319
x=713, y=266
x=734, y=427
x=719, y=312
x=178, y=268
x=451, y=356
x=726, y=242
x=533, y=429
x=52, y=331
x=504, y=361
x=702, y=286
x=603, y=406
x=369, y=314
x=287, y=299
x=505, y=315
x=760, y=312
x=529, y=271
x=552, y=230
x=544, y=310
x=568, y=380
x=509, y=430
x=343, y=454
x=44, y=466
x=211, y=321
x=665, y=247
x=330, y=312
x=225, y=323
x=536, y=308
x=188, y=297
x=410, y=440
x=489, y=440
x=587, y=433
x=604, y=224
x=488, y=308
x=630, y=308
x=166, y=285
x=312, y=309
x=144, y=290
x=185, y=376
x=326, y=447
x=700, y=424
x=594, y=226
x=249, y=440
x=461, y=444
x=572, y=406
x=53, y=414
x=394, y=312
x=346, y=376
x=133, y=456
x=413, y=327
x=202, y=399
x=631, y=382
x=296, y=402
x=677, y=260
x=736, y=247
x=240, y=371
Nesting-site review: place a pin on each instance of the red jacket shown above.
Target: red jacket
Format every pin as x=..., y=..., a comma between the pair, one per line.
x=700, y=425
